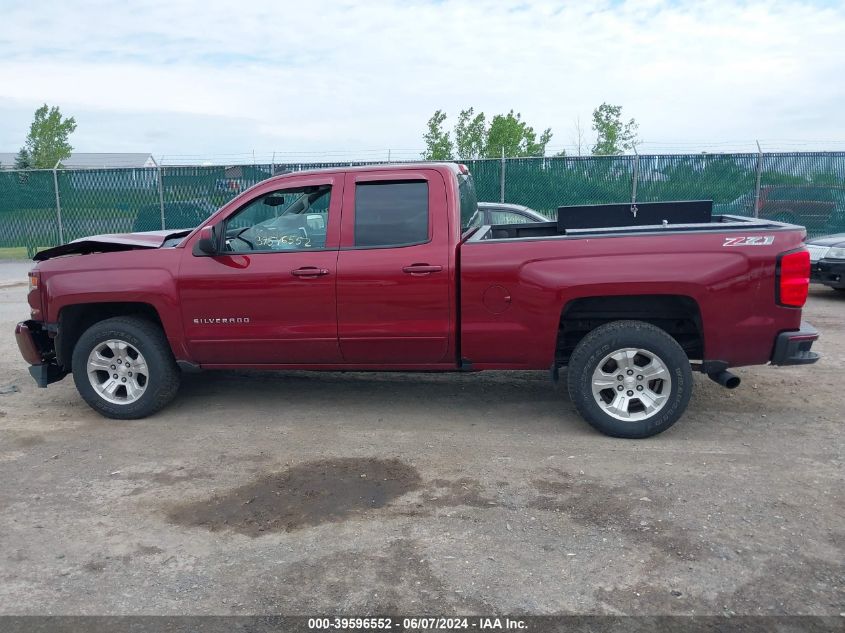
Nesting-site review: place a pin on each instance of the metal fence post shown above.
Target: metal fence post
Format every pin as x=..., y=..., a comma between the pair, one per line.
x=635, y=178
x=58, y=203
x=502, y=177
x=160, y=191
x=757, y=183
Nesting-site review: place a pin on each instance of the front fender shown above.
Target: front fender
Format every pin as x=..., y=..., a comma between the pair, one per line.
x=131, y=276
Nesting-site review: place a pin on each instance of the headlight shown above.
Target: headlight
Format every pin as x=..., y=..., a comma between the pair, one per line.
x=837, y=252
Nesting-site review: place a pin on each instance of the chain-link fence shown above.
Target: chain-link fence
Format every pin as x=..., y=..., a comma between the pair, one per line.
x=40, y=208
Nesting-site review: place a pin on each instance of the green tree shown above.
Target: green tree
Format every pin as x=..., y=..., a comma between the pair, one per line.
x=475, y=139
x=47, y=141
x=613, y=136
x=438, y=145
x=22, y=160
x=470, y=134
x=508, y=133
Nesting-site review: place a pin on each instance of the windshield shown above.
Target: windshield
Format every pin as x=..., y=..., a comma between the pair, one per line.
x=468, y=200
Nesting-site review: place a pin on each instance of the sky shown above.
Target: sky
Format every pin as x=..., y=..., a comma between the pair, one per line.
x=197, y=81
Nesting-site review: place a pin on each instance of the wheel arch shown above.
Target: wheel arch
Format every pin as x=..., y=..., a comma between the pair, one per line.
x=74, y=319
x=677, y=314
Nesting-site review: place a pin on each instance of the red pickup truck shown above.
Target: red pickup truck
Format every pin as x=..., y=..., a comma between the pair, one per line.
x=379, y=269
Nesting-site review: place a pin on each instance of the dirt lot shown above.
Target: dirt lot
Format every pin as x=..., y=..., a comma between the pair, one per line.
x=356, y=493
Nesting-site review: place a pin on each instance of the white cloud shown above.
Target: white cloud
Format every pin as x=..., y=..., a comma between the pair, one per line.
x=196, y=77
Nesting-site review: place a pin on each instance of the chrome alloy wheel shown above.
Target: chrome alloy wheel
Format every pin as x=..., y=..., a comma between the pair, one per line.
x=631, y=384
x=117, y=371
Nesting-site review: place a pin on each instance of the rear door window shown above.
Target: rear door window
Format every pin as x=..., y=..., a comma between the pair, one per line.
x=391, y=213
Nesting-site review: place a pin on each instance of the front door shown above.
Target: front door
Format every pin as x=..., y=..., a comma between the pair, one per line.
x=269, y=297
x=394, y=289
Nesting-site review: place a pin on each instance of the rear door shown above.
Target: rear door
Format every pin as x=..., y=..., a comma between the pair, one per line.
x=393, y=286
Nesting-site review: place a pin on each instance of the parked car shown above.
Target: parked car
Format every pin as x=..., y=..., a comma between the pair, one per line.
x=813, y=206
x=490, y=213
x=827, y=260
x=390, y=277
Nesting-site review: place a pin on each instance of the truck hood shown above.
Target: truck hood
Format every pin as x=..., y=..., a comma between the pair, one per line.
x=111, y=243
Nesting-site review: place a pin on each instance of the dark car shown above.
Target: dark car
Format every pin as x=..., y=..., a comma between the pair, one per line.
x=827, y=260
x=491, y=213
x=816, y=207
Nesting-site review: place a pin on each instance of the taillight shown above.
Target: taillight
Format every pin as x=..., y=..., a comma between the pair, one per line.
x=793, y=278
x=34, y=296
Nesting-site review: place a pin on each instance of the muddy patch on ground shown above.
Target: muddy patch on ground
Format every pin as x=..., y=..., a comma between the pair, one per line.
x=458, y=492
x=787, y=585
x=633, y=512
x=792, y=584
x=94, y=566
x=27, y=440
x=397, y=579
x=170, y=477
x=149, y=550
x=306, y=495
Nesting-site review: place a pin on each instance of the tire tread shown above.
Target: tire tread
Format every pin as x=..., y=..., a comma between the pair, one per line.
x=156, y=351
x=579, y=378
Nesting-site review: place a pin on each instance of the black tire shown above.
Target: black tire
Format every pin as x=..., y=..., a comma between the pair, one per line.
x=619, y=335
x=164, y=376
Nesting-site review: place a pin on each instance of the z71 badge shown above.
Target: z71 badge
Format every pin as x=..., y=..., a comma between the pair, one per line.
x=752, y=240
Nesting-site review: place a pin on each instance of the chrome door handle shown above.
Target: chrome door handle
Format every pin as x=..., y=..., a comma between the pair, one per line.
x=421, y=269
x=309, y=271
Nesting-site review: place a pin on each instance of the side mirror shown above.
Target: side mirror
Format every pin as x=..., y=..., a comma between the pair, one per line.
x=206, y=245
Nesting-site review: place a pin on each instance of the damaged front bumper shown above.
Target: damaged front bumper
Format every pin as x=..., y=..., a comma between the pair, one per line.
x=38, y=349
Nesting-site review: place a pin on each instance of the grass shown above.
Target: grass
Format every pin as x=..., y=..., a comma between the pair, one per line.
x=17, y=252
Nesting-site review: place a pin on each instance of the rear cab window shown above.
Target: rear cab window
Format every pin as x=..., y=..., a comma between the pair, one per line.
x=468, y=201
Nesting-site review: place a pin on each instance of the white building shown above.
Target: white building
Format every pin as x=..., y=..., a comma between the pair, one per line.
x=92, y=160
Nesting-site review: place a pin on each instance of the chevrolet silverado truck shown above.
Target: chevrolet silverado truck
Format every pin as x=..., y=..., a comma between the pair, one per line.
x=378, y=269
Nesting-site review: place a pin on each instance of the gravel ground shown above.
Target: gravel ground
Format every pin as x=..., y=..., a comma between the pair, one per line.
x=384, y=493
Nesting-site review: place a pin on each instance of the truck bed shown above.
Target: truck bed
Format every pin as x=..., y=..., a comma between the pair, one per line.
x=727, y=267
x=546, y=230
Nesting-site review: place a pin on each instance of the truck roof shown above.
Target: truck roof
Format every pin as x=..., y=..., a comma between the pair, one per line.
x=453, y=167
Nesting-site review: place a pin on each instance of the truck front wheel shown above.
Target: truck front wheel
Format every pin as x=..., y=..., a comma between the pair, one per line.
x=124, y=369
x=629, y=379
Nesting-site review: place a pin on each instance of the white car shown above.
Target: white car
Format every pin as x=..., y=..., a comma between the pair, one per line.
x=827, y=260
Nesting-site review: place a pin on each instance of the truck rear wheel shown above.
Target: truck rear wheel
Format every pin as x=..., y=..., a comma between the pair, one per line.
x=124, y=369
x=629, y=379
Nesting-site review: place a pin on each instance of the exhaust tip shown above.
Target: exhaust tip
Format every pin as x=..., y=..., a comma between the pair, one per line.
x=726, y=379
